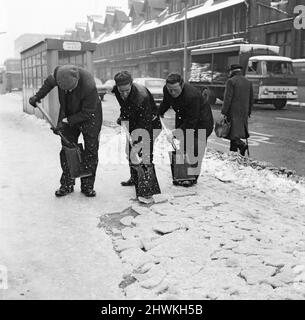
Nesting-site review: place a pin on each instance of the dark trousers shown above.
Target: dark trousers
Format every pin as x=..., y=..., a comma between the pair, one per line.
x=236, y=144
x=144, y=154
x=196, y=151
x=91, y=146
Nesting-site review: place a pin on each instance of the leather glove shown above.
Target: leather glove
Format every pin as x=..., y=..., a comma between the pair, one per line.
x=59, y=128
x=33, y=101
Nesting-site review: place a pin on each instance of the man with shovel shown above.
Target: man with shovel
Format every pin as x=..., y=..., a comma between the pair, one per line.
x=80, y=112
x=193, y=113
x=138, y=110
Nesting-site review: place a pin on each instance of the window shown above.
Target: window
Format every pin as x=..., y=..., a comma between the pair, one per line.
x=252, y=67
x=226, y=21
x=281, y=39
x=213, y=26
x=278, y=67
x=164, y=36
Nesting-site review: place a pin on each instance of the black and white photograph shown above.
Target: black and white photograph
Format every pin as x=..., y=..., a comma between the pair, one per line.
x=152, y=150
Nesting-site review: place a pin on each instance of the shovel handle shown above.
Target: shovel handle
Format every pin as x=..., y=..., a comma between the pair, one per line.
x=130, y=142
x=127, y=134
x=52, y=125
x=167, y=132
x=46, y=115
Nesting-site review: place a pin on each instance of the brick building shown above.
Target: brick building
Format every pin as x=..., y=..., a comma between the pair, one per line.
x=151, y=42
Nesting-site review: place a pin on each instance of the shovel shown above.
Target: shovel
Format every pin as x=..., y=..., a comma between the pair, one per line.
x=179, y=161
x=74, y=152
x=146, y=182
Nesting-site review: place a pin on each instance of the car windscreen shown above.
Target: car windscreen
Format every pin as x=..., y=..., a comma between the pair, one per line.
x=155, y=83
x=277, y=68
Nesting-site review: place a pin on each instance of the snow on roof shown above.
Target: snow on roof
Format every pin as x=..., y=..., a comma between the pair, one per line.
x=249, y=47
x=239, y=47
x=298, y=60
x=208, y=7
x=271, y=58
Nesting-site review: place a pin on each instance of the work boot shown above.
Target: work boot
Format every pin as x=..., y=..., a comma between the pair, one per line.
x=129, y=182
x=64, y=190
x=243, y=149
x=89, y=192
x=189, y=183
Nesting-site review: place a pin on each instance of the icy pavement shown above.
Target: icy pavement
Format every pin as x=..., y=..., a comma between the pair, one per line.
x=51, y=248
x=239, y=234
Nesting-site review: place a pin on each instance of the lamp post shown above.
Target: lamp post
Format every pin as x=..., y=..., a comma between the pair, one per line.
x=185, y=41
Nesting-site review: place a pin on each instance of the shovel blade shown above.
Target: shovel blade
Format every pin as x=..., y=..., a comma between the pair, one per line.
x=146, y=183
x=75, y=161
x=180, y=166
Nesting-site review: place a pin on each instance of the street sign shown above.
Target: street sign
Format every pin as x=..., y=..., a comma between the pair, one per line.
x=72, y=46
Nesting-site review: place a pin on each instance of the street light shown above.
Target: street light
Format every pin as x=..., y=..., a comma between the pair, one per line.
x=185, y=40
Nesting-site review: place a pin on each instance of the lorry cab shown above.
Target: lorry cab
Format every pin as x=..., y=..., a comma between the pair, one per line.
x=273, y=79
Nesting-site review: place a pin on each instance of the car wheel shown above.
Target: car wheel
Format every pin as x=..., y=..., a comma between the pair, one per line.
x=279, y=104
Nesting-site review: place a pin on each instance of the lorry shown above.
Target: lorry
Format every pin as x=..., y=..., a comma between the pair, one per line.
x=272, y=75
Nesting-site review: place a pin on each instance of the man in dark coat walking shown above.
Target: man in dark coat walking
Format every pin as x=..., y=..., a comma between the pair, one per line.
x=137, y=110
x=193, y=113
x=237, y=106
x=80, y=112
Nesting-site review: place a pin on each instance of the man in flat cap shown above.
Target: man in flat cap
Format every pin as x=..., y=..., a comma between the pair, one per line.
x=237, y=106
x=139, y=111
x=80, y=112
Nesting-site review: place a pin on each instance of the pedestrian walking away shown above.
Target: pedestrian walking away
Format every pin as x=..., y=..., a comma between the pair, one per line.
x=80, y=113
x=237, y=107
x=138, y=109
x=193, y=112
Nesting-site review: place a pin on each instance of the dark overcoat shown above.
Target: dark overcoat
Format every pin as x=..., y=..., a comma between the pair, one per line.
x=191, y=110
x=139, y=109
x=237, y=105
x=82, y=106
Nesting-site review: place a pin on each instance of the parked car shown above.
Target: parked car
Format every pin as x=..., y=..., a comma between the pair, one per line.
x=154, y=85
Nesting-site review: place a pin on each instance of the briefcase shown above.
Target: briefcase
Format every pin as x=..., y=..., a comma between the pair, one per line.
x=222, y=128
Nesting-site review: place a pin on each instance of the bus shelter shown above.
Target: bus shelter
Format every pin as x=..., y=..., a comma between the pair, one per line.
x=40, y=60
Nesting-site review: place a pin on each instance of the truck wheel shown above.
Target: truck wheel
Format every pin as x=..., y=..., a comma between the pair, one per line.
x=279, y=104
x=211, y=97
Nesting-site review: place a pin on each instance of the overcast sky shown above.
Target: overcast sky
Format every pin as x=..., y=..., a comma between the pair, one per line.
x=41, y=16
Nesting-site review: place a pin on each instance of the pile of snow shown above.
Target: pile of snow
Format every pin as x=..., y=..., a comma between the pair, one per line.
x=227, y=168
